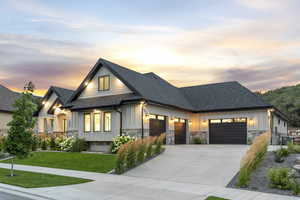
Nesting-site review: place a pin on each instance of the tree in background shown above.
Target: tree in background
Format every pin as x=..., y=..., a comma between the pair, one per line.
x=286, y=99
x=19, y=139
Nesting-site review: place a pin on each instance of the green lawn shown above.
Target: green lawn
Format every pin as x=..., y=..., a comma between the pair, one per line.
x=76, y=161
x=215, y=198
x=36, y=180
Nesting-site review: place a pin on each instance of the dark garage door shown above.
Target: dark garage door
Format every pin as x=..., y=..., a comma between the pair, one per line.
x=180, y=132
x=157, y=126
x=228, y=131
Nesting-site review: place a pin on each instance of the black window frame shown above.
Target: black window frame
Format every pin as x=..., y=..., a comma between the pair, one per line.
x=105, y=76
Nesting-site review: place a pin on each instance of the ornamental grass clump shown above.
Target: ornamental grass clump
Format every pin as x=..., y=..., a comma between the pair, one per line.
x=131, y=155
x=150, y=141
x=141, y=146
x=253, y=157
x=121, y=160
x=159, y=142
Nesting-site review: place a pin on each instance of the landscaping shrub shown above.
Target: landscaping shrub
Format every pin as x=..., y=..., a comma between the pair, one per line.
x=131, y=155
x=280, y=153
x=35, y=143
x=281, y=178
x=78, y=145
x=197, y=140
x=44, y=145
x=52, y=144
x=2, y=142
x=66, y=144
x=293, y=148
x=253, y=157
x=119, y=141
x=121, y=160
x=141, y=145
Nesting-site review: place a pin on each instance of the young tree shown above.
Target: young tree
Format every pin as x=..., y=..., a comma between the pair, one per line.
x=19, y=139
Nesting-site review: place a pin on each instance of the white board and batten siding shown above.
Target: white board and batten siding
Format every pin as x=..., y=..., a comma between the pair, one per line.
x=116, y=86
x=43, y=112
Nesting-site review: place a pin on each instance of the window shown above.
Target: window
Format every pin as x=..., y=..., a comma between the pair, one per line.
x=159, y=117
x=45, y=125
x=103, y=83
x=87, y=122
x=97, y=122
x=152, y=116
x=65, y=125
x=107, y=121
x=278, y=121
x=215, y=121
x=240, y=120
x=52, y=124
x=227, y=120
x=182, y=120
x=284, y=124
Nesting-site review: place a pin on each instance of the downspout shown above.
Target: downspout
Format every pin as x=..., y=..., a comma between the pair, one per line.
x=142, y=117
x=271, y=125
x=121, y=120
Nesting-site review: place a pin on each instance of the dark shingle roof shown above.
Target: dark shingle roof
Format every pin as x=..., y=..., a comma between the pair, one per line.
x=7, y=99
x=149, y=86
x=222, y=96
x=106, y=101
x=63, y=94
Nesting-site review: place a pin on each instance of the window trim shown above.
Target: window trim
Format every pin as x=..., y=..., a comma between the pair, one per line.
x=84, y=122
x=104, y=76
x=95, y=123
x=104, y=126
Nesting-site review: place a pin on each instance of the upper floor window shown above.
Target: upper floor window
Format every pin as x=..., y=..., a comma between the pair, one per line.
x=87, y=122
x=107, y=121
x=104, y=83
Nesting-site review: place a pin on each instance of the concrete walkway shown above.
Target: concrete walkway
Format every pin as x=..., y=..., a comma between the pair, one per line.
x=199, y=164
x=115, y=187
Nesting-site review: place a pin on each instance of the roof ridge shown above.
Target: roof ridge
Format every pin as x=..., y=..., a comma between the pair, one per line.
x=209, y=84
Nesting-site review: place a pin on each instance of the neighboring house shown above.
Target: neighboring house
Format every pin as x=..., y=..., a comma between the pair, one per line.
x=113, y=100
x=7, y=99
x=52, y=118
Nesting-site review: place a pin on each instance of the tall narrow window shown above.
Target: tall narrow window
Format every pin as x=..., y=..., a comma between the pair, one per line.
x=96, y=122
x=52, y=124
x=107, y=121
x=87, y=122
x=65, y=125
x=45, y=125
x=104, y=83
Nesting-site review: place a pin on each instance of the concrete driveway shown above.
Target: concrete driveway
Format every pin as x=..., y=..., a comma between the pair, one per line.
x=213, y=165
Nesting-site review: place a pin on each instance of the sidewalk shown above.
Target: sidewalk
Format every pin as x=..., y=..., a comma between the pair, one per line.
x=115, y=187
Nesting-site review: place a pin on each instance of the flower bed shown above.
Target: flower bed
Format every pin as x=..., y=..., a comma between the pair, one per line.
x=137, y=152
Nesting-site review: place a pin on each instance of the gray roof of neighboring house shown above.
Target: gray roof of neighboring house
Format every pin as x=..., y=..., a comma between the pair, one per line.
x=150, y=87
x=63, y=94
x=7, y=99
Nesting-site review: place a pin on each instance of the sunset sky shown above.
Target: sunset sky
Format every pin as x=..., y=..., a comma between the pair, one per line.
x=55, y=42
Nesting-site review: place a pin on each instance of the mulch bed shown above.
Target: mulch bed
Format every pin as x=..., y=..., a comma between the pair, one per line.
x=259, y=181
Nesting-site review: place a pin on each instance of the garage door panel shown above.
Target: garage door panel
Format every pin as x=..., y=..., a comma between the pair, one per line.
x=228, y=133
x=157, y=127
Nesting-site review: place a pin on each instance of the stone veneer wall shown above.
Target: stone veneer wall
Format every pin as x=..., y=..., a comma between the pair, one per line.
x=201, y=134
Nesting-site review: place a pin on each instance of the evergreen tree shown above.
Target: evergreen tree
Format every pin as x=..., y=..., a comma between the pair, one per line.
x=19, y=139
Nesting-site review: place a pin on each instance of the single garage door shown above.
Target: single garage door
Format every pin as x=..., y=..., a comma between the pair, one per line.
x=180, y=132
x=157, y=125
x=228, y=131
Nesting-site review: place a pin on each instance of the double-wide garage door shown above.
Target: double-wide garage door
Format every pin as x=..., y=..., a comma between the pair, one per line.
x=228, y=131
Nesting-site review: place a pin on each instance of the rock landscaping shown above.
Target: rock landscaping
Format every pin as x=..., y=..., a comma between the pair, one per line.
x=277, y=173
